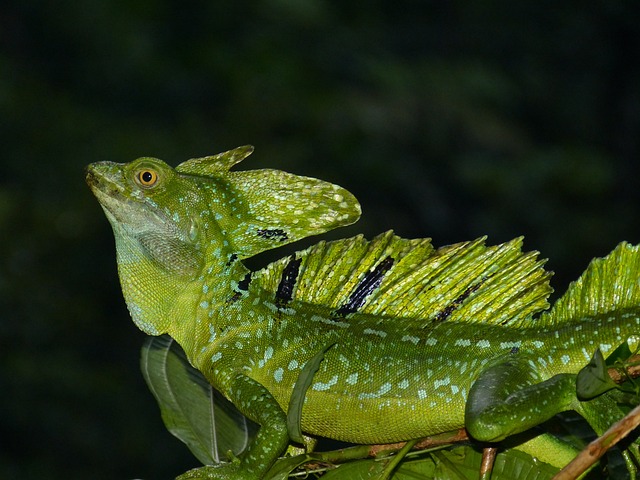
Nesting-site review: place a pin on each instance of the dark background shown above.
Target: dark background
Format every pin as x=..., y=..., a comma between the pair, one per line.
x=450, y=120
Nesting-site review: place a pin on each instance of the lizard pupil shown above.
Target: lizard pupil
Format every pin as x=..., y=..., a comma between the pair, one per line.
x=147, y=178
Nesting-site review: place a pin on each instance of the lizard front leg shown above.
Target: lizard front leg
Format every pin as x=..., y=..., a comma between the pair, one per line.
x=254, y=401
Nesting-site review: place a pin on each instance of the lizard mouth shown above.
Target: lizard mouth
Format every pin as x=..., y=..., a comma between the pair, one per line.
x=106, y=181
x=98, y=179
x=91, y=177
x=123, y=206
x=106, y=190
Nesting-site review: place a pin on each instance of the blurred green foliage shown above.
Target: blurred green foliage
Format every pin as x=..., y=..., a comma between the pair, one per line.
x=446, y=119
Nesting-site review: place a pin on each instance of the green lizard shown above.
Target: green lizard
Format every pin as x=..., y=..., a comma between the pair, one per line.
x=422, y=340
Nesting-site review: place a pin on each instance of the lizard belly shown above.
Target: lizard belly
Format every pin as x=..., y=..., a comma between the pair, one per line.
x=384, y=419
x=363, y=394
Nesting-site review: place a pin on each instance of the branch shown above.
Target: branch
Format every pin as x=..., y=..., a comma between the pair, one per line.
x=596, y=449
x=633, y=370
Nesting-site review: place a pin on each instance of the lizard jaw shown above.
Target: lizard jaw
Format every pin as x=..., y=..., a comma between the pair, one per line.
x=122, y=206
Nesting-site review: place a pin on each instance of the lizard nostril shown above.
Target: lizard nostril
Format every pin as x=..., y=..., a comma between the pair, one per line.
x=89, y=175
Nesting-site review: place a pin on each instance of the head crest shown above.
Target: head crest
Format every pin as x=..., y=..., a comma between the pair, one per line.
x=215, y=165
x=258, y=210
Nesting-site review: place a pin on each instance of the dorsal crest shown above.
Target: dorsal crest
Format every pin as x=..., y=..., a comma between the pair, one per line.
x=414, y=283
x=608, y=284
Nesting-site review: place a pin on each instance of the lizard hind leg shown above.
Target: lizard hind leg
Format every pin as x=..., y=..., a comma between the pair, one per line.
x=509, y=397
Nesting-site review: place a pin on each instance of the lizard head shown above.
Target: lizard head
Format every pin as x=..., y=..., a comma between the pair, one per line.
x=158, y=242
x=171, y=224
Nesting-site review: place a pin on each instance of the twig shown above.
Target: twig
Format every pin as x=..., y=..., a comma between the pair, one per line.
x=596, y=449
x=427, y=442
x=488, y=459
x=633, y=370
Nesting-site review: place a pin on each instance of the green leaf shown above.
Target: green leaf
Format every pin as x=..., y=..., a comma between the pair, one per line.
x=621, y=354
x=294, y=413
x=191, y=408
x=464, y=463
x=359, y=470
x=594, y=379
x=284, y=466
x=516, y=464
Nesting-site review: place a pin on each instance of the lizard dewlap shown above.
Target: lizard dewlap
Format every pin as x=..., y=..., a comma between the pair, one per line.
x=417, y=340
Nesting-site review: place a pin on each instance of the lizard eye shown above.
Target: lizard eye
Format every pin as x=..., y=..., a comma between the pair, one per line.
x=147, y=178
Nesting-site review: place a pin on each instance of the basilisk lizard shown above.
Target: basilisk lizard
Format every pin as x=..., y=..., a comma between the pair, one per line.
x=417, y=340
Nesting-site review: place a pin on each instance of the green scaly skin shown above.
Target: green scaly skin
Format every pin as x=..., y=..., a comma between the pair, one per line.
x=423, y=341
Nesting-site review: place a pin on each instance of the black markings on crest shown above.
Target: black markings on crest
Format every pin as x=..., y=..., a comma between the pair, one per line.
x=273, y=234
x=234, y=298
x=243, y=286
x=366, y=287
x=232, y=258
x=443, y=314
x=287, y=284
x=244, y=283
